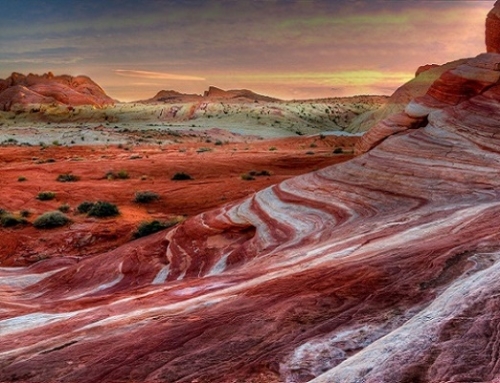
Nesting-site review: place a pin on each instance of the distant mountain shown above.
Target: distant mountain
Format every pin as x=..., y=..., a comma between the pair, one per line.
x=21, y=90
x=212, y=94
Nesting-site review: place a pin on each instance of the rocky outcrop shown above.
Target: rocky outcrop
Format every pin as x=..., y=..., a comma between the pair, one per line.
x=455, y=86
x=19, y=91
x=381, y=269
x=213, y=94
x=385, y=268
x=493, y=29
x=425, y=77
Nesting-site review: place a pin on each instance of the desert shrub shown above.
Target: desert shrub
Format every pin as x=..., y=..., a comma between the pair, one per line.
x=85, y=207
x=261, y=173
x=247, y=177
x=338, y=150
x=151, y=227
x=202, y=150
x=218, y=142
x=46, y=196
x=10, y=220
x=273, y=148
x=25, y=213
x=264, y=173
x=67, y=177
x=122, y=175
x=51, y=219
x=145, y=196
x=181, y=176
x=103, y=209
x=64, y=208
x=21, y=179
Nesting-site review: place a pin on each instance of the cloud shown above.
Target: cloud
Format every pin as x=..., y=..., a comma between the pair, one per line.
x=156, y=75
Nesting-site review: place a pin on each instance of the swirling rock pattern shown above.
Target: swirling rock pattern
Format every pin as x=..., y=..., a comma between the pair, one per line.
x=381, y=269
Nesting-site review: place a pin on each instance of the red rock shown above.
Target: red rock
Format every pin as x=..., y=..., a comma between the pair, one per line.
x=385, y=268
x=493, y=29
x=21, y=90
x=425, y=68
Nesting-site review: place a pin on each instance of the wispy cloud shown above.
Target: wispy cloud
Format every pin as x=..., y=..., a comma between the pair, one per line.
x=157, y=75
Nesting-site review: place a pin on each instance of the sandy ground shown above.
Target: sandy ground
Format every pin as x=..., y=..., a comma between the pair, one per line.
x=216, y=160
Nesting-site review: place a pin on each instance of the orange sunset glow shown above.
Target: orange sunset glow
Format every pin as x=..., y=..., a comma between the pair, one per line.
x=288, y=49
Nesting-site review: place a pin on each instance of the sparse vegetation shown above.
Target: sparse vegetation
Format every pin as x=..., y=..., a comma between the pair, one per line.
x=273, y=148
x=151, y=227
x=250, y=176
x=21, y=179
x=10, y=220
x=102, y=209
x=247, y=177
x=67, y=177
x=64, y=208
x=145, y=196
x=46, y=196
x=25, y=213
x=203, y=149
x=181, y=176
x=85, y=207
x=51, y=219
x=121, y=175
x=338, y=151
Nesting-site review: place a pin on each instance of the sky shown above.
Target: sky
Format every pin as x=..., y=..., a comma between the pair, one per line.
x=291, y=49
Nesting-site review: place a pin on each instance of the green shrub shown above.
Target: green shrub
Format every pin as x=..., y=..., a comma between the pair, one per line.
x=265, y=173
x=261, y=173
x=122, y=175
x=202, y=150
x=181, y=176
x=51, y=219
x=85, y=207
x=247, y=177
x=151, y=227
x=46, y=196
x=145, y=197
x=10, y=220
x=64, y=208
x=68, y=177
x=103, y=209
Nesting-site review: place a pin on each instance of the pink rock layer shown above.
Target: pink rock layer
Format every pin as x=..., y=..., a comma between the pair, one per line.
x=385, y=268
x=32, y=89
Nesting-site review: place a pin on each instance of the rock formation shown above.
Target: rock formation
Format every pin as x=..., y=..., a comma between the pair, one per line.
x=493, y=29
x=212, y=94
x=22, y=90
x=385, y=268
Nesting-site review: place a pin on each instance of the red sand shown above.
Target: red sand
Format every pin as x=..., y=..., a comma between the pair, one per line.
x=217, y=180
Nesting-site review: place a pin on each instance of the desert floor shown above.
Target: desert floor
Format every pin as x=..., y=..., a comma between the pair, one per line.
x=218, y=161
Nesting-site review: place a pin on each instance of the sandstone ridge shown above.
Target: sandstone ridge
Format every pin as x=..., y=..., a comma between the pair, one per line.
x=22, y=90
x=212, y=94
x=382, y=269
